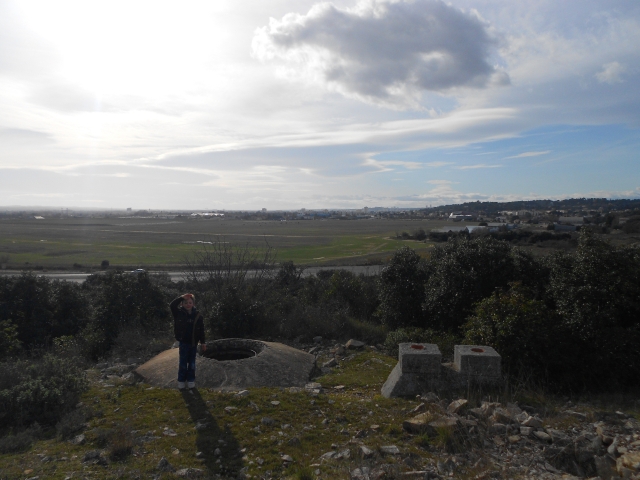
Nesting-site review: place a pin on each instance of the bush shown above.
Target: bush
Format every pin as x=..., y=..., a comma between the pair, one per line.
x=9, y=343
x=71, y=423
x=21, y=441
x=465, y=271
x=401, y=287
x=120, y=443
x=524, y=331
x=38, y=390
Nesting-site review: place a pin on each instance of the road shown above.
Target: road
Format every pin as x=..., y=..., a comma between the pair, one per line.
x=176, y=276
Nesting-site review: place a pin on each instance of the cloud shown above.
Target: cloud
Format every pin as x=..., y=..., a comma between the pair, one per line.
x=611, y=73
x=382, y=51
x=529, y=154
x=478, y=165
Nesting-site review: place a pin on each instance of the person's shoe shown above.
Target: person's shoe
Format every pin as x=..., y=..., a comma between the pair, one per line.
x=181, y=385
x=191, y=384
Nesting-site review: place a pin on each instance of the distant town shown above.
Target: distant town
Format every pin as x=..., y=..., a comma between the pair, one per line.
x=568, y=214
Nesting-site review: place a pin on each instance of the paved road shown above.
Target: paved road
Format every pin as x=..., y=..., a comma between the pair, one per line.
x=175, y=276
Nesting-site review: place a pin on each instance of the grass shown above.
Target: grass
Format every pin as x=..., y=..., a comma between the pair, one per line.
x=251, y=436
x=70, y=243
x=242, y=436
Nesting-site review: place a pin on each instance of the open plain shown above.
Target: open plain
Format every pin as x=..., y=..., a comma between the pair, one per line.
x=127, y=242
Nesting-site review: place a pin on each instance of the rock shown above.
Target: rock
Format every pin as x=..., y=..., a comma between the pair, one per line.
x=346, y=454
x=458, y=406
x=315, y=350
x=91, y=455
x=419, y=408
x=514, y=409
x=317, y=339
x=497, y=429
x=355, y=344
x=426, y=423
x=534, y=422
x=242, y=393
x=361, y=473
x=578, y=415
x=498, y=440
x=327, y=455
x=526, y=431
x=613, y=448
x=630, y=460
x=559, y=438
x=430, y=397
x=330, y=364
x=287, y=459
x=313, y=387
x=189, y=472
x=217, y=452
x=604, y=467
x=365, y=451
x=294, y=442
x=78, y=440
x=201, y=425
x=275, y=403
x=543, y=436
x=514, y=438
x=339, y=351
x=487, y=408
x=169, y=433
x=199, y=455
x=390, y=450
x=230, y=409
x=165, y=466
x=267, y=421
x=501, y=416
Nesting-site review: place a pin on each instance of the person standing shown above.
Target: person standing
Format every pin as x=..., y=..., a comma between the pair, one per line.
x=188, y=327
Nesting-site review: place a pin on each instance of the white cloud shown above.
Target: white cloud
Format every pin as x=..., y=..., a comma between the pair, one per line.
x=478, y=165
x=384, y=51
x=611, y=73
x=529, y=154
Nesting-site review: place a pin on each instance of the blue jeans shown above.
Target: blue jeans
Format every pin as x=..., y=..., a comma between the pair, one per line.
x=187, y=365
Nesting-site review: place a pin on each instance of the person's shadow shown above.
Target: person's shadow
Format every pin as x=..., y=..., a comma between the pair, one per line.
x=211, y=436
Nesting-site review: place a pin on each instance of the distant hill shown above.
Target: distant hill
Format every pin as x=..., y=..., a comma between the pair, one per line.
x=567, y=204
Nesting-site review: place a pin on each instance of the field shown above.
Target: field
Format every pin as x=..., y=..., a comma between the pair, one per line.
x=83, y=243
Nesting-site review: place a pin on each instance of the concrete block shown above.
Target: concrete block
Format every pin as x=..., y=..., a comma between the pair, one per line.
x=420, y=359
x=480, y=362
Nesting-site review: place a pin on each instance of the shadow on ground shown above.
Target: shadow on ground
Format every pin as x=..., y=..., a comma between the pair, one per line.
x=211, y=436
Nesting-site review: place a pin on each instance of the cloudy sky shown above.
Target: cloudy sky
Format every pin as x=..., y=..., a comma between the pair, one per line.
x=241, y=104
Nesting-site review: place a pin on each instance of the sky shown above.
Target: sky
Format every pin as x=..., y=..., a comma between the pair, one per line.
x=281, y=104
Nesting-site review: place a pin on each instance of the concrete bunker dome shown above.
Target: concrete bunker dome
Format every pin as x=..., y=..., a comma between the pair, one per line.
x=233, y=364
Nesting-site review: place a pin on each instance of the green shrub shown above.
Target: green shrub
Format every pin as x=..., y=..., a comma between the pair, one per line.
x=72, y=422
x=120, y=443
x=40, y=390
x=21, y=441
x=401, y=287
x=524, y=331
x=9, y=343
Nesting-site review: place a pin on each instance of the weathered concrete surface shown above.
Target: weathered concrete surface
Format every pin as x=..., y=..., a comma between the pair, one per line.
x=419, y=369
x=276, y=365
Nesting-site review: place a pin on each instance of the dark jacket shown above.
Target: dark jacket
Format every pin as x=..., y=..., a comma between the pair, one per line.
x=183, y=322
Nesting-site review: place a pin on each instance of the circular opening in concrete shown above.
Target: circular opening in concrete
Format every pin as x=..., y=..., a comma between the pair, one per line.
x=478, y=350
x=417, y=347
x=231, y=349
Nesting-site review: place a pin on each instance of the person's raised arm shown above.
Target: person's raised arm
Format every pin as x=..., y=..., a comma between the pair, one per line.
x=175, y=303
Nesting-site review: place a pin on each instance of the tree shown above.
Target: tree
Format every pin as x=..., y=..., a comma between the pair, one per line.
x=465, y=271
x=401, y=290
